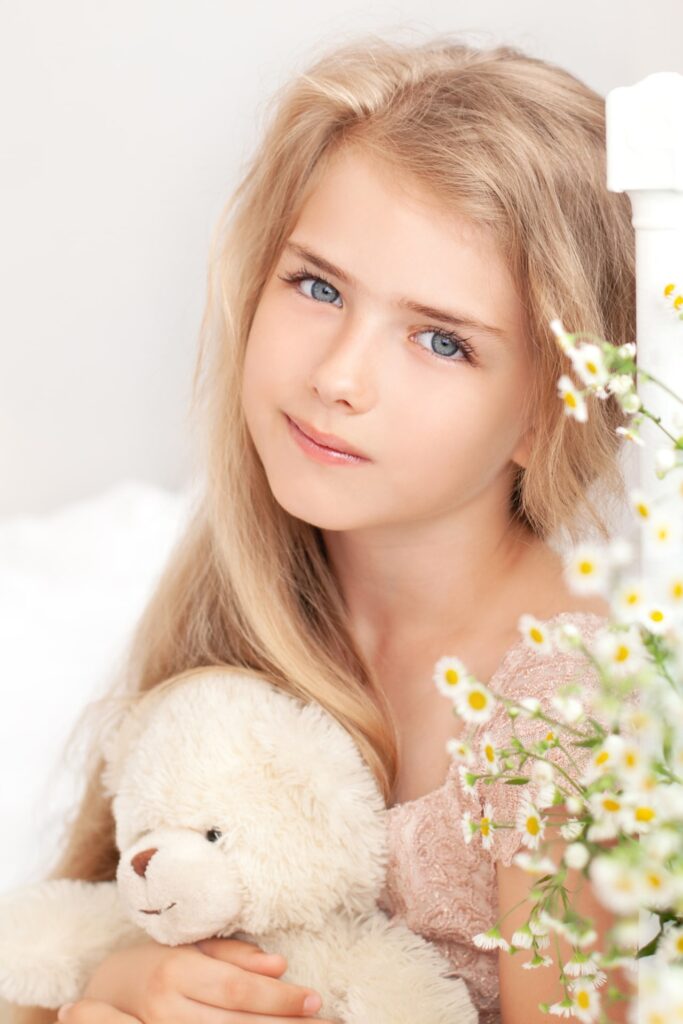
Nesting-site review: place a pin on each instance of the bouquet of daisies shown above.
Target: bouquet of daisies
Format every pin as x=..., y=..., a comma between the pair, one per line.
x=625, y=830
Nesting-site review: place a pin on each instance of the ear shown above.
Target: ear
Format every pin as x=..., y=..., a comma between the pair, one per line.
x=522, y=452
x=122, y=729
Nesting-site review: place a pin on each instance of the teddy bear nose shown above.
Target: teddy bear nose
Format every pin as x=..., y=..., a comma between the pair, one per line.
x=141, y=860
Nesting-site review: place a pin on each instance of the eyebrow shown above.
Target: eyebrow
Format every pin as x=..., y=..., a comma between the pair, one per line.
x=456, y=319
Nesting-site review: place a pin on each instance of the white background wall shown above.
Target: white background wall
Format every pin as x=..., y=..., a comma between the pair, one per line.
x=123, y=129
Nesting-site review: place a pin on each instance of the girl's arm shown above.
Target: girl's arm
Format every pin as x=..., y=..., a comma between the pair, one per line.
x=521, y=990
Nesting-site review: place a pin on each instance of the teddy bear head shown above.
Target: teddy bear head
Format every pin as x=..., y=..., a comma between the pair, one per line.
x=239, y=807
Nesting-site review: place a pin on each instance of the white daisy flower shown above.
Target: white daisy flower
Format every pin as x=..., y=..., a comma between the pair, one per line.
x=664, y=532
x=491, y=939
x=586, y=1001
x=630, y=402
x=523, y=938
x=468, y=828
x=589, y=363
x=564, y=339
x=535, y=635
x=573, y=401
x=576, y=855
x=531, y=706
x=670, y=945
x=630, y=434
x=640, y=503
x=617, y=882
x=656, y=616
x=608, y=811
x=569, y=709
x=673, y=589
x=621, y=651
x=474, y=702
x=542, y=772
x=571, y=829
x=603, y=758
x=534, y=864
x=627, y=599
x=657, y=887
x=486, y=826
x=565, y=1008
x=580, y=964
x=530, y=823
x=567, y=638
x=460, y=750
x=468, y=779
x=620, y=384
x=489, y=753
x=574, y=804
x=449, y=674
x=544, y=795
x=538, y=960
x=587, y=568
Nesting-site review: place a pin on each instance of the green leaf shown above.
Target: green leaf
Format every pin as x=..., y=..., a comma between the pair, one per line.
x=519, y=781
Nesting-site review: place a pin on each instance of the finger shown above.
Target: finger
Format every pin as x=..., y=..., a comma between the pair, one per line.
x=243, y=954
x=91, y=1011
x=230, y=987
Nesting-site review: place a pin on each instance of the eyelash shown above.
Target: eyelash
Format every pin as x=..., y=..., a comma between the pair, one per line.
x=467, y=350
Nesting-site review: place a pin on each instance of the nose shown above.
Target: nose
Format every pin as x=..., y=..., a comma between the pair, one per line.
x=347, y=373
x=141, y=860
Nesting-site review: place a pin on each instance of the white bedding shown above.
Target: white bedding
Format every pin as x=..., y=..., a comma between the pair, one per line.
x=72, y=585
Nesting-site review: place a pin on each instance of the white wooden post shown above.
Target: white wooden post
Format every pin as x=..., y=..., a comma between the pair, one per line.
x=645, y=159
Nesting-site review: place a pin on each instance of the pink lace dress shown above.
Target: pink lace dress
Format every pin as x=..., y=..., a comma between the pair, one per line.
x=444, y=888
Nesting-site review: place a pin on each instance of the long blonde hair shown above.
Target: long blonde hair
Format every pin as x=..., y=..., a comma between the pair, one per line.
x=511, y=141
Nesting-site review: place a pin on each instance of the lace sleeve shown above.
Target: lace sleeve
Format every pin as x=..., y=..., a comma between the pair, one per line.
x=528, y=674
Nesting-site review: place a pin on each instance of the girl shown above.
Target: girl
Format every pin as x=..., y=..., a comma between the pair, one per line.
x=383, y=282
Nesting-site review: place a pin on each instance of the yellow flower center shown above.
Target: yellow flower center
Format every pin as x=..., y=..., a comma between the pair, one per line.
x=644, y=814
x=570, y=400
x=602, y=757
x=477, y=700
x=677, y=590
x=536, y=634
x=591, y=367
x=656, y=615
x=611, y=805
x=662, y=533
x=622, y=653
x=654, y=880
x=678, y=302
x=489, y=753
x=642, y=510
x=485, y=826
x=583, y=1000
x=669, y=288
x=532, y=826
x=586, y=568
x=631, y=758
x=452, y=676
x=679, y=944
x=550, y=736
x=632, y=598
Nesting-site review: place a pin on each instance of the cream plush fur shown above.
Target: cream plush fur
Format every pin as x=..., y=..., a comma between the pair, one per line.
x=240, y=811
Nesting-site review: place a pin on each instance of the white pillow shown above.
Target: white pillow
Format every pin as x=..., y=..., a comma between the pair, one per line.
x=73, y=584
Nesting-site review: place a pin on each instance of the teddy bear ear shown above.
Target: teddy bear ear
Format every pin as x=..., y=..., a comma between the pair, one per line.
x=123, y=726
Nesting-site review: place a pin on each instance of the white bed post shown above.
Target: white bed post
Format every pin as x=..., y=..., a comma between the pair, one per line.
x=645, y=159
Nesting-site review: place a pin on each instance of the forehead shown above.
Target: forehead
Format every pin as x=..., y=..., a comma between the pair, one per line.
x=396, y=240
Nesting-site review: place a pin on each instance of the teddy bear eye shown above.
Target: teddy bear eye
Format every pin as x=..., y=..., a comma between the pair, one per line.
x=213, y=835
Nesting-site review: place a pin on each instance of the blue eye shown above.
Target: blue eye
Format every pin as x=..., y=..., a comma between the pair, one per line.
x=326, y=287
x=450, y=339
x=322, y=292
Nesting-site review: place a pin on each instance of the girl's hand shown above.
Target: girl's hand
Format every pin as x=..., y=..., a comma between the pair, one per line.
x=215, y=981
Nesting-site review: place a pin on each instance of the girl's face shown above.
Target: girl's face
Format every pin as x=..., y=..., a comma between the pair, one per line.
x=434, y=405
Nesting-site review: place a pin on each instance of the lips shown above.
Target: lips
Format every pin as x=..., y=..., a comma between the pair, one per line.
x=326, y=440
x=158, y=911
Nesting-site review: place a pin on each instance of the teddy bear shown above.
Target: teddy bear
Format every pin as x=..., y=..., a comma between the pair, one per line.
x=240, y=811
